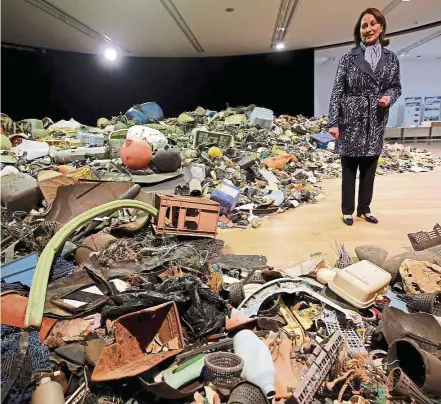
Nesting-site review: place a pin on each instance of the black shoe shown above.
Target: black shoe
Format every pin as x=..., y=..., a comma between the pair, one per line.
x=370, y=219
x=348, y=221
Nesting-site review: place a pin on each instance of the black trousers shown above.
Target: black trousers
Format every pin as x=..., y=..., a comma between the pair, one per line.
x=367, y=167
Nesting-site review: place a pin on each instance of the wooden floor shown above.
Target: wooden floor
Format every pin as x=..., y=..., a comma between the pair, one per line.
x=403, y=203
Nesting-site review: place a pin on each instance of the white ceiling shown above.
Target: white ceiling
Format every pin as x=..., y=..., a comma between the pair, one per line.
x=430, y=50
x=145, y=28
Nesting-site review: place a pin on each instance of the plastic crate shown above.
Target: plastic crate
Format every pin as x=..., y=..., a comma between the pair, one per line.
x=91, y=139
x=322, y=139
x=186, y=216
x=262, y=117
x=223, y=140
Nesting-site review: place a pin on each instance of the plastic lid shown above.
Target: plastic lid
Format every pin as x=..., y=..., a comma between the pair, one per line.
x=269, y=390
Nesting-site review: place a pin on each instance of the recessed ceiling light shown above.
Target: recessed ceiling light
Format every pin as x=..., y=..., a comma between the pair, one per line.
x=110, y=54
x=229, y=10
x=418, y=56
x=280, y=45
x=405, y=0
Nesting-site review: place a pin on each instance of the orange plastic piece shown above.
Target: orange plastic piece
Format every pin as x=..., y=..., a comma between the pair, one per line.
x=279, y=161
x=238, y=320
x=136, y=154
x=286, y=379
x=13, y=313
x=186, y=215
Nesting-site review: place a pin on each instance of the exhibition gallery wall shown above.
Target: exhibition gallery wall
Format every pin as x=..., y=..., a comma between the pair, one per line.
x=420, y=65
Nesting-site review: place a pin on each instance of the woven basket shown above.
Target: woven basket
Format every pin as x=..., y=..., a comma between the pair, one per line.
x=223, y=369
x=247, y=393
x=236, y=294
x=426, y=302
x=400, y=385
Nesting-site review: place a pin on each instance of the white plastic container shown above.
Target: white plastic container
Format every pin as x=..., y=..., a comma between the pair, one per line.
x=360, y=283
x=262, y=116
x=150, y=135
x=258, y=364
x=33, y=150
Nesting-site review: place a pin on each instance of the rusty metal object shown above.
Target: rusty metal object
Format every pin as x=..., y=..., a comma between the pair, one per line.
x=67, y=331
x=134, y=334
x=95, y=242
x=131, y=193
x=73, y=200
x=420, y=327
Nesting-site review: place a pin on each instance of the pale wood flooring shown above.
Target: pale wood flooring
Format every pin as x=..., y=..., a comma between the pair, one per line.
x=403, y=203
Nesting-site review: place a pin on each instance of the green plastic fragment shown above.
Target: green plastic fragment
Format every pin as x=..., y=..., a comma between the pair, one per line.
x=5, y=143
x=37, y=295
x=185, y=118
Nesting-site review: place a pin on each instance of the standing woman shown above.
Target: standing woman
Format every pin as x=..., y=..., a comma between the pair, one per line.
x=367, y=83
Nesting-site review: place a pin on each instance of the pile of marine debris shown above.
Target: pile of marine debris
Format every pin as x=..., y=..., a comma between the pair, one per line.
x=115, y=288
x=244, y=158
x=110, y=303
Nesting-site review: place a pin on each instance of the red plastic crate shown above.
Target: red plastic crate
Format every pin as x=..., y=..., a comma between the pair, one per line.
x=187, y=216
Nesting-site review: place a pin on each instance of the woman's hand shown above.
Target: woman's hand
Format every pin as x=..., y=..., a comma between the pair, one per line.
x=335, y=132
x=384, y=101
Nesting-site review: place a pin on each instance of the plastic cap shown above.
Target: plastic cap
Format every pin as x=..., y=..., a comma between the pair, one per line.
x=45, y=380
x=269, y=390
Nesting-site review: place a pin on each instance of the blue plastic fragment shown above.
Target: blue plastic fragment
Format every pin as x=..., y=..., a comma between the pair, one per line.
x=322, y=139
x=21, y=270
x=149, y=112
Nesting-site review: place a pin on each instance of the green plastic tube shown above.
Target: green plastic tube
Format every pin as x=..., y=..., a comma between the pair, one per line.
x=37, y=295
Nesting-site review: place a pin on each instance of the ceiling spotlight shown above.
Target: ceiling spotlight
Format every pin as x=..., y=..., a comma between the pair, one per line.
x=280, y=45
x=110, y=54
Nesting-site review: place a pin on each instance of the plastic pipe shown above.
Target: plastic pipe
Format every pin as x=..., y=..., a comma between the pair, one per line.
x=37, y=295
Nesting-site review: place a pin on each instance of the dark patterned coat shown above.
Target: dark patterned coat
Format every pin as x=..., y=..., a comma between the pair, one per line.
x=354, y=105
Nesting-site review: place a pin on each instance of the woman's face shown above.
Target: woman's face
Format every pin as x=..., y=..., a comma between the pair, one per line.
x=370, y=29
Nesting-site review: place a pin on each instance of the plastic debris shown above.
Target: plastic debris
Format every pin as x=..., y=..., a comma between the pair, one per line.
x=146, y=294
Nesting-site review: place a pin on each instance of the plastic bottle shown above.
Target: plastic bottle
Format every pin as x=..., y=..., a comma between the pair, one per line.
x=48, y=392
x=258, y=363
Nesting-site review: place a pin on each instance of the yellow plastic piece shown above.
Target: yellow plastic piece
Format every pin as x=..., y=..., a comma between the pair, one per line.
x=37, y=295
x=215, y=152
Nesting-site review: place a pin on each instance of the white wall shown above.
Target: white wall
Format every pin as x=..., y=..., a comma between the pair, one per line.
x=419, y=77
